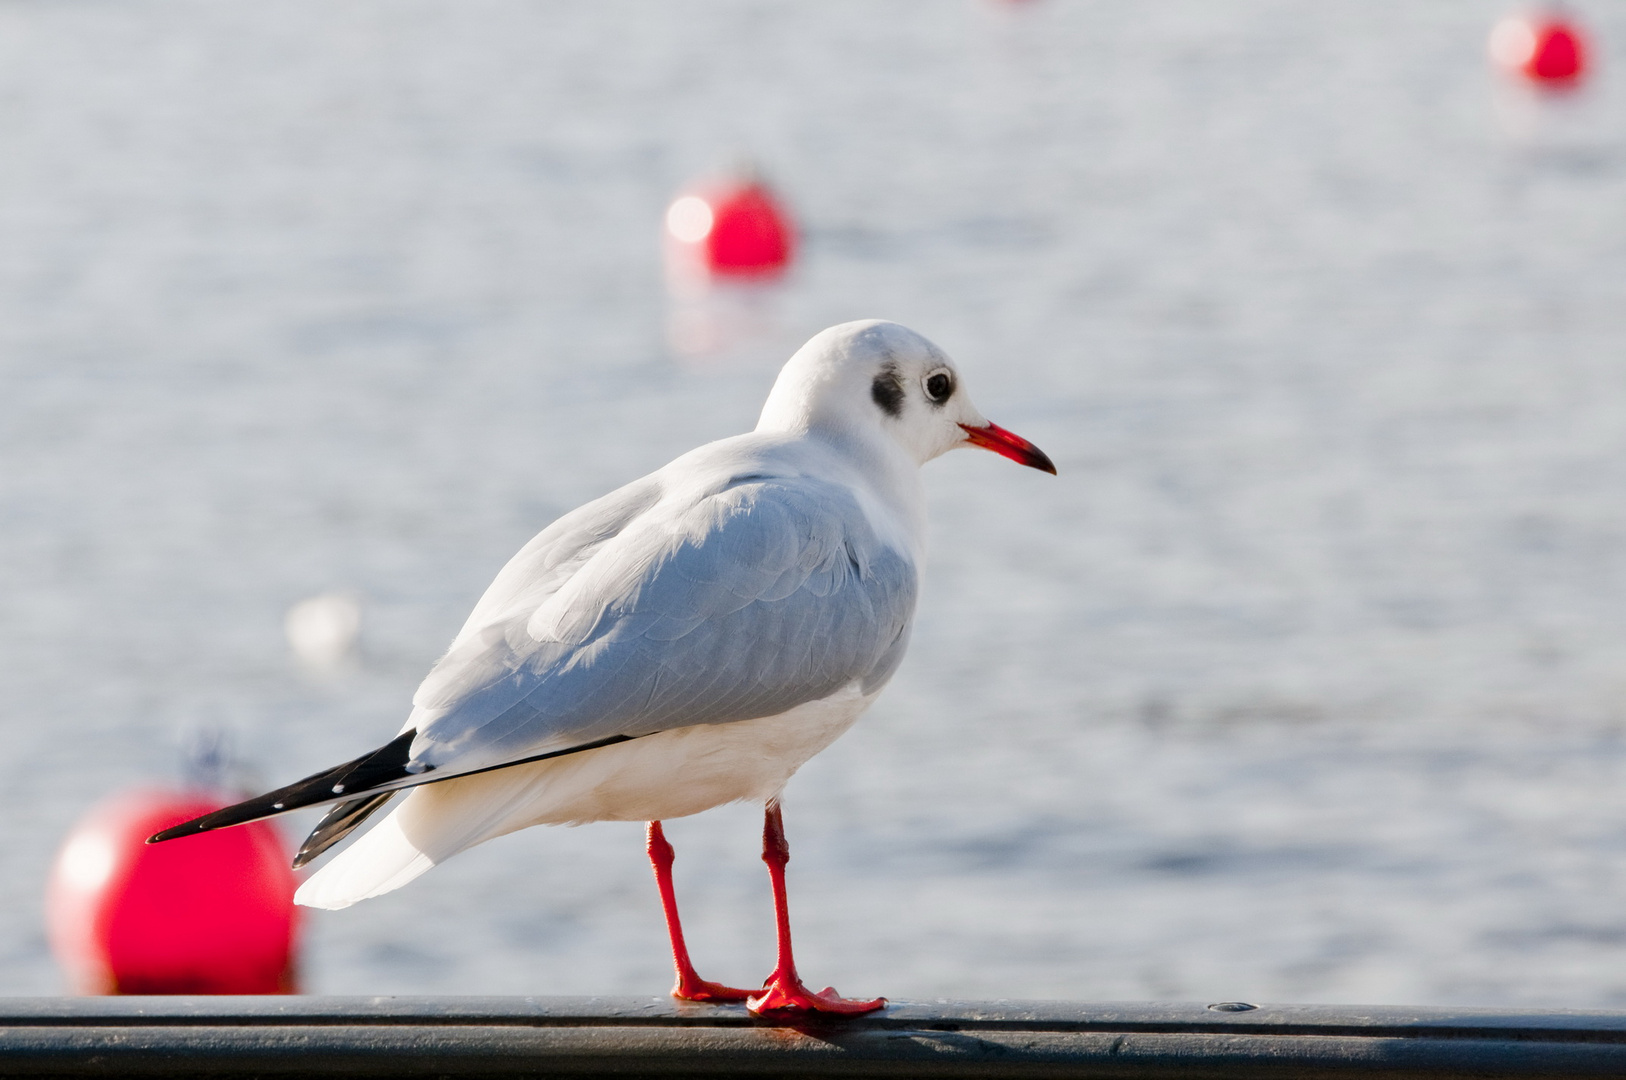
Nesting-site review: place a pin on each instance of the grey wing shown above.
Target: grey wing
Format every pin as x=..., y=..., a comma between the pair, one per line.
x=625, y=618
x=539, y=568
x=758, y=598
x=524, y=584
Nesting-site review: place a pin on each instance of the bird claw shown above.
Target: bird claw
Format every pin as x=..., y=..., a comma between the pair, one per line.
x=704, y=990
x=788, y=997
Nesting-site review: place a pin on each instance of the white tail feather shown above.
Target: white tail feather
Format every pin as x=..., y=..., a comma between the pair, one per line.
x=667, y=775
x=381, y=861
x=428, y=826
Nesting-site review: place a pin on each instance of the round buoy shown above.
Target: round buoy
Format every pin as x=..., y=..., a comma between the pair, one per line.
x=209, y=914
x=732, y=229
x=1544, y=48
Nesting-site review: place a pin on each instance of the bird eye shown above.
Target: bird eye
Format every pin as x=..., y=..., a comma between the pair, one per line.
x=939, y=385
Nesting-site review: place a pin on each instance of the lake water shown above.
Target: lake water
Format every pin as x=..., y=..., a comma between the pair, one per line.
x=1305, y=680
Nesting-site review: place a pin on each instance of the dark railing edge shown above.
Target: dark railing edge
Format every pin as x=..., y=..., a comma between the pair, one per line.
x=603, y=1036
x=1012, y=1014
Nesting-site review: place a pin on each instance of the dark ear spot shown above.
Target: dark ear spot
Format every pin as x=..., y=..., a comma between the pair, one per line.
x=887, y=390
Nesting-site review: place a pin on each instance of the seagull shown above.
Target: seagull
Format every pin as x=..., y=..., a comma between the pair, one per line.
x=688, y=640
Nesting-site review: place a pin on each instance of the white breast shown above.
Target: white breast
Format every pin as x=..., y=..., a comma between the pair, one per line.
x=667, y=775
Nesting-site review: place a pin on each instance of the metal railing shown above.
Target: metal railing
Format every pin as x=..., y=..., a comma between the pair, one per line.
x=287, y=1037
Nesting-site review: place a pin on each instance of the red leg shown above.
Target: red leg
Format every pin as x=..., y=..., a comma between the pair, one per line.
x=690, y=986
x=783, y=993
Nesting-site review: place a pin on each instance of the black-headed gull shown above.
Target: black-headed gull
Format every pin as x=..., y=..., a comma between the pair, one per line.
x=685, y=641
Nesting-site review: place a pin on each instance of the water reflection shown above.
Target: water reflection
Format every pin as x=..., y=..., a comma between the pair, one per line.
x=719, y=324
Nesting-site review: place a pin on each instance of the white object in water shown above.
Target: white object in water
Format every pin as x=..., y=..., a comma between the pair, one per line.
x=322, y=630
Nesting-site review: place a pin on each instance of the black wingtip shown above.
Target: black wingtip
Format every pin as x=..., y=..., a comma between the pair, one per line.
x=187, y=828
x=240, y=814
x=385, y=765
x=339, y=822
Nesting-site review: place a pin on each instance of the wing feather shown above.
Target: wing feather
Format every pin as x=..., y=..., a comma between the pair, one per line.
x=750, y=601
x=639, y=612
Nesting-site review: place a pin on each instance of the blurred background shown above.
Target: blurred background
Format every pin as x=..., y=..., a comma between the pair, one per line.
x=1304, y=681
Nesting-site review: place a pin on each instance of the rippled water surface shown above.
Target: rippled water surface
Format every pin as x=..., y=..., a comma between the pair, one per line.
x=1305, y=680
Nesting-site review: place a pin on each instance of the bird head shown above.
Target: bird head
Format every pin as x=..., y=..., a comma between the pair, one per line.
x=869, y=380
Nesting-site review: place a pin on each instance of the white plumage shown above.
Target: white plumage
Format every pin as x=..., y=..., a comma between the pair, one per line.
x=735, y=611
x=688, y=640
x=667, y=775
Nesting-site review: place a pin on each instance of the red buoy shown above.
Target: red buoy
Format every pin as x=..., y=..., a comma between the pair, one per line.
x=212, y=914
x=1544, y=48
x=733, y=229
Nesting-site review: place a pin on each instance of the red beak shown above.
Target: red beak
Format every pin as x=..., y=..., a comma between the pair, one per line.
x=1009, y=444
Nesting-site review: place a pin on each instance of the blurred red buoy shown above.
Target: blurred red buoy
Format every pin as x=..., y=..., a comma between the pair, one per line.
x=1544, y=48
x=732, y=229
x=211, y=914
